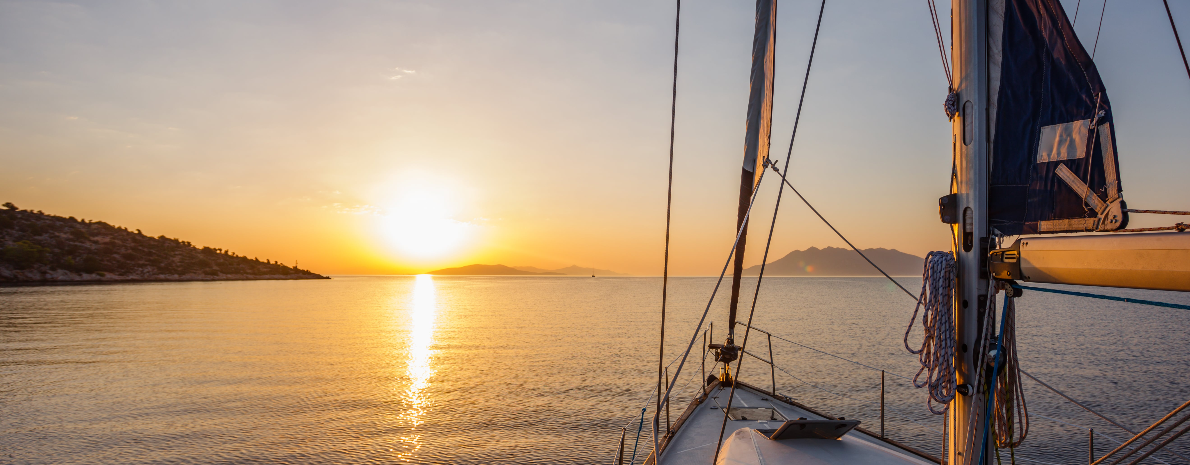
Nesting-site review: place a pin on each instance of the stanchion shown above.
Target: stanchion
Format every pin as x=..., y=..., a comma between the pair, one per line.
x=882, y=403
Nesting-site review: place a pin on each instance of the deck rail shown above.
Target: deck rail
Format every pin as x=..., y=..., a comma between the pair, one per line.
x=1122, y=453
x=1144, y=443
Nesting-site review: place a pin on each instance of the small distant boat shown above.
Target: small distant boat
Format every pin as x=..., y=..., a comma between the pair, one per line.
x=1034, y=154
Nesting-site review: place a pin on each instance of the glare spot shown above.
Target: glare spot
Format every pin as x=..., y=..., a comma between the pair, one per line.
x=420, y=226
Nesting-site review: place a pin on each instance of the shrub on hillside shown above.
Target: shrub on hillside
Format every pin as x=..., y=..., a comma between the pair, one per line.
x=90, y=264
x=24, y=254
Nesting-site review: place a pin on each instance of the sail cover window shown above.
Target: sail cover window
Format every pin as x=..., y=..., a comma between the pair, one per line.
x=1054, y=166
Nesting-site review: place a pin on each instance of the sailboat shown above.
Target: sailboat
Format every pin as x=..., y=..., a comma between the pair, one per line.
x=1035, y=158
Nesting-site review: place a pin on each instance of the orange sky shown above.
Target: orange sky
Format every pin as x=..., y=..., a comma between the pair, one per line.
x=347, y=135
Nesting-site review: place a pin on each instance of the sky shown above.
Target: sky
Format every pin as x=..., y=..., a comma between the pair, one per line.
x=370, y=137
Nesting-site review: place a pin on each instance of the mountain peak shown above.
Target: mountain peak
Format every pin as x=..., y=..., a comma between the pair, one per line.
x=835, y=261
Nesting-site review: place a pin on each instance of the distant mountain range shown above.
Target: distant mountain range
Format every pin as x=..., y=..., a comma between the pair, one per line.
x=573, y=270
x=834, y=261
x=487, y=270
x=830, y=261
x=38, y=247
x=503, y=270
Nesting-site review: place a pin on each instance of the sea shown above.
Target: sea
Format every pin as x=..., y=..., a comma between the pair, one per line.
x=518, y=369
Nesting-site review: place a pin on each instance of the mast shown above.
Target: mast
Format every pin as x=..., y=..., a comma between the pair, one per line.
x=756, y=139
x=969, y=132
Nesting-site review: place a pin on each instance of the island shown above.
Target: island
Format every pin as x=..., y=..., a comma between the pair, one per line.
x=36, y=247
x=490, y=270
x=504, y=270
x=834, y=261
x=573, y=270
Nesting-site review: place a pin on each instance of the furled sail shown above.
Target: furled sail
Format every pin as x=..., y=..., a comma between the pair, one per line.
x=1053, y=164
x=756, y=139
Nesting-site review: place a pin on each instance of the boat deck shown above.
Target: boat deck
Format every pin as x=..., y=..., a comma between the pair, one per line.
x=698, y=429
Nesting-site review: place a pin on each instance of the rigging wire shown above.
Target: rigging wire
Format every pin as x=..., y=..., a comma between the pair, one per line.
x=1179, y=227
x=649, y=396
x=1157, y=212
x=837, y=233
x=1076, y=5
x=773, y=224
x=1080, y=404
x=1108, y=297
x=1096, y=47
x=715, y=291
x=870, y=367
x=896, y=412
x=1175, y=37
x=669, y=196
x=941, y=43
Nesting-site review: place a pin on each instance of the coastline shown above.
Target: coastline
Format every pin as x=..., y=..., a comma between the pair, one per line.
x=22, y=277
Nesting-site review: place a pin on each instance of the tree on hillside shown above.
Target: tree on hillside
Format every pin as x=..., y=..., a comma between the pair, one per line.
x=24, y=254
x=90, y=264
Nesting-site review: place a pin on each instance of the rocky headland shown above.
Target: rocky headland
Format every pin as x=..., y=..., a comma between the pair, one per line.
x=40, y=248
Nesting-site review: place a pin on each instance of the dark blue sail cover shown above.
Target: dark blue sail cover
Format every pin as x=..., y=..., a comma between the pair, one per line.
x=1053, y=157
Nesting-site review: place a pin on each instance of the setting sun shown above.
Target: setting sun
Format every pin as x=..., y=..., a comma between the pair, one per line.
x=420, y=225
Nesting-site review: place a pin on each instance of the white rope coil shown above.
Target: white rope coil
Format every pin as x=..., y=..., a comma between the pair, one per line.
x=937, y=350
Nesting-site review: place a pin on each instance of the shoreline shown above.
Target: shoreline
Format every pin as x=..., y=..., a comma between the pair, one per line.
x=7, y=281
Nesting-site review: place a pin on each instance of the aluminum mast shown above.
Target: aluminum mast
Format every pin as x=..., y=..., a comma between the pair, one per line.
x=969, y=132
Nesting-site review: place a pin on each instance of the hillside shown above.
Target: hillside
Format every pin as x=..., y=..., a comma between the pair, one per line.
x=489, y=270
x=834, y=261
x=36, y=247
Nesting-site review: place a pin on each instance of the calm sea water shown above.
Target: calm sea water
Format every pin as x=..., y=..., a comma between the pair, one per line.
x=505, y=369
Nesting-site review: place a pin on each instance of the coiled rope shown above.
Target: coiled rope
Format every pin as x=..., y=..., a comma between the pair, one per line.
x=1006, y=395
x=1011, y=415
x=981, y=361
x=937, y=349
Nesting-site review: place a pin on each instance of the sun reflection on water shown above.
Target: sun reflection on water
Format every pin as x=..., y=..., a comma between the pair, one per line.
x=419, y=368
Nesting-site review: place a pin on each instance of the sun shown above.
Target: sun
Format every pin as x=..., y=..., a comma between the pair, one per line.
x=420, y=224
